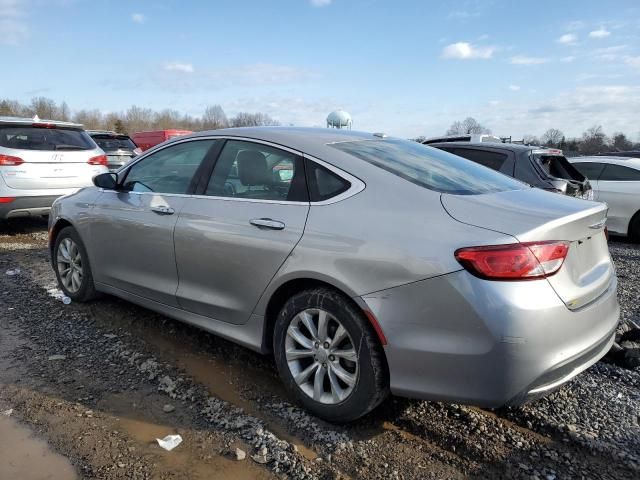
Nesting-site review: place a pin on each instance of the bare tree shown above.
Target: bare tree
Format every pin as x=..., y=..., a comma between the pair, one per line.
x=91, y=119
x=552, y=137
x=44, y=108
x=530, y=140
x=138, y=119
x=620, y=142
x=244, y=119
x=214, y=118
x=593, y=141
x=166, y=119
x=467, y=126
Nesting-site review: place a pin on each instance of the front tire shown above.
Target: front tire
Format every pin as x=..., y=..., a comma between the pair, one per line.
x=71, y=264
x=328, y=355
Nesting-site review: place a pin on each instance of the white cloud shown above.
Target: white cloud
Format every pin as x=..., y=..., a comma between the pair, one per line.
x=568, y=39
x=610, y=54
x=600, y=33
x=467, y=51
x=568, y=59
x=13, y=28
x=524, y=60
x=633, y=61
x=179, y=67
x=138, y=18
x=320, y=3
x=514, y=88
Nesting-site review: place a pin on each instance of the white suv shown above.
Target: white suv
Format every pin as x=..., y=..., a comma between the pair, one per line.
x=41, y=160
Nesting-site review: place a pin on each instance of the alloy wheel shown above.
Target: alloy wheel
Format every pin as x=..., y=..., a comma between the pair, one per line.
x=321, y=356
x=69, y=262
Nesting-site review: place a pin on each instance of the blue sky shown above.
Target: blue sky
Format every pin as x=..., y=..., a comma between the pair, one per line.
x=404, y=67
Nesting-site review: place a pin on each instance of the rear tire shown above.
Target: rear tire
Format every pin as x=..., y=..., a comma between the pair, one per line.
x=71, y=264
x=340, y=368
x=634, y=228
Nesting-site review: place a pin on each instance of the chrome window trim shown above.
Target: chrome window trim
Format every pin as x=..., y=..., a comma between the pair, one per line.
x=356, y=187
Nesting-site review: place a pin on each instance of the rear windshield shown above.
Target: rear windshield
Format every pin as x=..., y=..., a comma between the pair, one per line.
x=111, y=143
x=429, y=167
x=36, y=138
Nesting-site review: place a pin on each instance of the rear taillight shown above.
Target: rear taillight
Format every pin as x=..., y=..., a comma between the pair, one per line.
x=606, y=233
x=7, y=199
x=9, y=161
x=518, y=261
x=99, y=160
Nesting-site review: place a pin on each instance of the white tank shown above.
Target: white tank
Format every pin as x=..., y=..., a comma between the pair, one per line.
x=339, y=119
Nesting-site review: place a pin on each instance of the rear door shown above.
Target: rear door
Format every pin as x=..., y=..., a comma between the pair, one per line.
x=232, y=238
x=619, y=187
x=131, y=230
x=51, y=157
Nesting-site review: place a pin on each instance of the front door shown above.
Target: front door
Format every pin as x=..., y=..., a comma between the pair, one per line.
x=231, y=240
x=132, y=227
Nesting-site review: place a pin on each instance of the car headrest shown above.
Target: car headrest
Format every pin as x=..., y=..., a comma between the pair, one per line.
x=252, y=168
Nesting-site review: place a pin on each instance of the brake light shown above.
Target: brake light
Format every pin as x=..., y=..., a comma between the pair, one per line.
x=9, y=161
x=99, y=160
x=7, y=199
x=43, y=125
x=518, y=261
x=606, y=233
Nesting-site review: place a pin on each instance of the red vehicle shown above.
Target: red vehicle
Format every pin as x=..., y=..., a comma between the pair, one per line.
x=146, y=140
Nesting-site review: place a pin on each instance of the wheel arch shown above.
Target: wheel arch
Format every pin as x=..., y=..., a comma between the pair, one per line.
x=635, y=218
x=56, y=228
x=290, y=287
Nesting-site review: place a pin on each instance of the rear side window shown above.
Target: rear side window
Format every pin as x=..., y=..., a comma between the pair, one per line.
x=590, y=170
x=37, y=138
x=618, y=173
x=429, y=167
x=493, y=160
x=323, y=183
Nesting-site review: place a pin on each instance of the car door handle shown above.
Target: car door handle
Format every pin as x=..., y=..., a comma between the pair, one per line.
x=163, y=210
x=267, y=223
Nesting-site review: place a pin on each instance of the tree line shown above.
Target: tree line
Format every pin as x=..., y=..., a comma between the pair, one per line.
x=593, y=140
x=134, y=119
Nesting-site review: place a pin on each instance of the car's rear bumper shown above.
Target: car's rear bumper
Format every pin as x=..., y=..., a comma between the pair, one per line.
x=461, y=339
x=27, y=206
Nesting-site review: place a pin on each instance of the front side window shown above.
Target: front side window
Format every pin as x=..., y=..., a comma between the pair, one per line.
x=169, y=170
x=256, y=171
x=429, y=167
x=618, y=173
x=591, y=170
x=41, y=138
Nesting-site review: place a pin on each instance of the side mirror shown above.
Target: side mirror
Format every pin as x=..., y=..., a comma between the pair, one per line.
x=108, y=181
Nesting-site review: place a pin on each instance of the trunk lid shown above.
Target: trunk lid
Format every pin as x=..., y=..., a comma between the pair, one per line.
x=533, y=215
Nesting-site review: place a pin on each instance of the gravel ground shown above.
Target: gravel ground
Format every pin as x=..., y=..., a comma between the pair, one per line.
x=100, y=381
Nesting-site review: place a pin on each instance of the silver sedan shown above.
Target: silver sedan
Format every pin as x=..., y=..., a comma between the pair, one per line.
x=364, y=264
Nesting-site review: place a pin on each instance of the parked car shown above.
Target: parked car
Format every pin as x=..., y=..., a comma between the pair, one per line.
x=540, y=167
x=616, y=181
x=146, y=140
x=364, y=263
x=120, y=149
x=471, y=137
x=41, y=160
x=631, y=153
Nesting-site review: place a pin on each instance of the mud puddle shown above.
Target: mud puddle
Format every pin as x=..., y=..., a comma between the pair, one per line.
x=25, y=457
x=223, y=380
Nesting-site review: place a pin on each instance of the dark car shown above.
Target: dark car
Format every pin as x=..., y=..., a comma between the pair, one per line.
x=120, y=149
x=539, y=167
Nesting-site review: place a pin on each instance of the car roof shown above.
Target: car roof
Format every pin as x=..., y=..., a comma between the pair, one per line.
x=307, y=140
x=31, y=121
x=613, y=160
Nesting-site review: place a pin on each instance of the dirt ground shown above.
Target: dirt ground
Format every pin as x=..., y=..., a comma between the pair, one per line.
x=85, y=389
